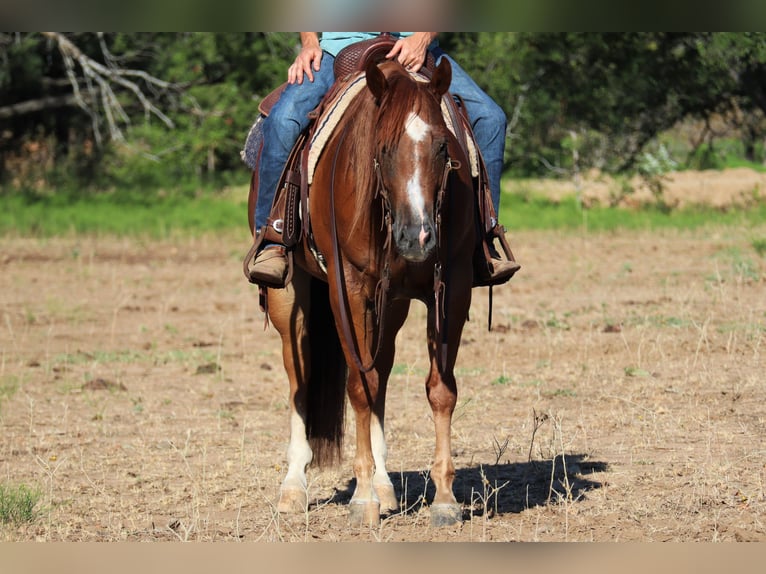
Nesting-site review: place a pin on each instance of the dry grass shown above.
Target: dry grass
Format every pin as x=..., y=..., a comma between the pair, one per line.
x=620, y=397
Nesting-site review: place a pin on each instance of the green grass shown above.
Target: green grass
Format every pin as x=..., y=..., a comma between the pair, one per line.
x=530, y=212
x=159, y=215
x=122, y=215
x=18, y=504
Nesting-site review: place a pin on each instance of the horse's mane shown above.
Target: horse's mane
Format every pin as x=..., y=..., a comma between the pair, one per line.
x=377, y=126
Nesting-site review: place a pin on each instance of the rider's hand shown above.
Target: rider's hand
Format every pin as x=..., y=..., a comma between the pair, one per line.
x=410, y=51
x=308, y=60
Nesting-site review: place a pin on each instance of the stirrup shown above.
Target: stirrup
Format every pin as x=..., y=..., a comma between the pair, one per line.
x=486, y=271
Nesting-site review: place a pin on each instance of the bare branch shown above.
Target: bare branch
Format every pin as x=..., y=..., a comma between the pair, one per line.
x=31, y=106
x=100, y=82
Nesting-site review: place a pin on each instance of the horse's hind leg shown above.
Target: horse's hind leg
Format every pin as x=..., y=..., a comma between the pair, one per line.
x=288, y=311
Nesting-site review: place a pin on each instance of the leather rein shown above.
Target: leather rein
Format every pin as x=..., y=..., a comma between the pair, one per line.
x=383, y=286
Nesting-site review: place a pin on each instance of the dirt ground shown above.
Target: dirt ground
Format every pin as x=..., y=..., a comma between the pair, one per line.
x=620, y=396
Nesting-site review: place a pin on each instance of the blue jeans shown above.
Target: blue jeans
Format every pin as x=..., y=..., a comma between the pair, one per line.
x=289, y=117
x=488, y=122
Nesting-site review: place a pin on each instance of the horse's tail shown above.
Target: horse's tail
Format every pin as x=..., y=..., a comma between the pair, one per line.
x=326, y=396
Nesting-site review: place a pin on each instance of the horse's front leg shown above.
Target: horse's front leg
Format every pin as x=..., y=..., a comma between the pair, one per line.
x=395, y=315
x=374, y=491
x=364, y=506
x=288, y=311
x=441, y=390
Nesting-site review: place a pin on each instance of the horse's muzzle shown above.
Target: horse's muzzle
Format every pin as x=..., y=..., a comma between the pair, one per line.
x=415, y=241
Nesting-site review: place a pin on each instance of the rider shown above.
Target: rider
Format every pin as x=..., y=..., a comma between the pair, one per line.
x=311, y=75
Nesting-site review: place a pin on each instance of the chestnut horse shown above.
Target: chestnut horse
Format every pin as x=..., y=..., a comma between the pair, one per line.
x=393, y=217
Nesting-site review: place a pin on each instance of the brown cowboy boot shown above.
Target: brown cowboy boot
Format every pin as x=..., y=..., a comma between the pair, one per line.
x=501, y=268
x=270, y=267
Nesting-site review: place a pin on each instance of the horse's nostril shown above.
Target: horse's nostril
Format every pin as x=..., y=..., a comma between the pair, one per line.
x=425, y=235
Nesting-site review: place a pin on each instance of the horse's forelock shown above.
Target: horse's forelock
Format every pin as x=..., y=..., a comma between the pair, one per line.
x=404, y=96
x=375, y=126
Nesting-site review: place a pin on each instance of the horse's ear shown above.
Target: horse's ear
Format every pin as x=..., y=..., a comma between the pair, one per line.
x=376, y=81
x=442, y=77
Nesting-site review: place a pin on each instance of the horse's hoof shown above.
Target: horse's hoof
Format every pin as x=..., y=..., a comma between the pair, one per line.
x=388, y=500
x=292, y=501
x=446, y=514
x=363, y=513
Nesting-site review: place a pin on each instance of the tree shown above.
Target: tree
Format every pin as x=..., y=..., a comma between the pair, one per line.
x=141, y=108
x=148, y=110
x=618, y=92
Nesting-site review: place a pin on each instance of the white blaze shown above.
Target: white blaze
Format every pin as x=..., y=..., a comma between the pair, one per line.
x=417, y=130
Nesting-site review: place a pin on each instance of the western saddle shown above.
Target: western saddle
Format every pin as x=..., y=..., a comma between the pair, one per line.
x=289, y=219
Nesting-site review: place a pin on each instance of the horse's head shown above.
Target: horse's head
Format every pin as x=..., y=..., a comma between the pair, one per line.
x=411, y=152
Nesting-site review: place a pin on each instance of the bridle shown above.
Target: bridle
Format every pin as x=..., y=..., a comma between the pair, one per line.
x=383, y=286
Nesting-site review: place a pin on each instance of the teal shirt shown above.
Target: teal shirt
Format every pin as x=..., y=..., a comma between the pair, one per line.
x=334, y=42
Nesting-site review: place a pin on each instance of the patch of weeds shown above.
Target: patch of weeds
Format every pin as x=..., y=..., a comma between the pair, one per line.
x=625, y=270
x=553, y=322
x=183, y=357
x=740, y=265
x=745, y=268
x=533, y=383
x=402, y=369
x=636, y=372
x=673, y=322
x=18, y=504
x=68, y=386
x=502, y=380
x=562, y=393
x=399, y=369
x=659, y=321
x=464, y=372
x=74, y=314
x=9, y=384
x=29, y=317
x=750, y=329
x=138, y=405
x=759, y=245
x=82, y=357
x=225, y=415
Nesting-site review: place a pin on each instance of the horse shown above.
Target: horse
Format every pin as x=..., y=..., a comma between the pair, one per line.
x=393, y=218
